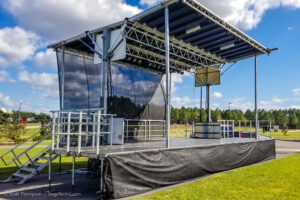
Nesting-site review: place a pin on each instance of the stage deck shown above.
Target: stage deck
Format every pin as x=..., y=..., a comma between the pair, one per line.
x=151, y=145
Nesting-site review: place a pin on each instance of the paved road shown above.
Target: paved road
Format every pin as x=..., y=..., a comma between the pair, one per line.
x=38, y=187
x=31, y=127
x=284, y=148
x=85, y=187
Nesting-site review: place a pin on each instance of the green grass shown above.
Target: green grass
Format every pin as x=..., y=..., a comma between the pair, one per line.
x=33, y=124
x=288, y=136
x=278, y=179
x=27, y=133
x=6, y=171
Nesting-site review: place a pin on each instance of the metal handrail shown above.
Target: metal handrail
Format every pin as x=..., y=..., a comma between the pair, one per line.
x=29, y=148
x=16, y=157
x=76, y=111
x=48, y=126
x=36, y=155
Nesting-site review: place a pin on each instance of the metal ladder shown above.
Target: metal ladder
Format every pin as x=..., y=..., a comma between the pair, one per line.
x=28, y=165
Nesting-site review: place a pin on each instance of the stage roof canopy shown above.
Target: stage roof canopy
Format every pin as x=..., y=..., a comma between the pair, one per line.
x=198, y=38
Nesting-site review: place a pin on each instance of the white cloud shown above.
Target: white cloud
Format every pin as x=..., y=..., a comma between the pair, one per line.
x=245, y=14
x=149, y=2
x=295, y=106
x=16, y=45
x=215, y=106
x=217, y=95
x=5, y=77
x=46, y=82
x=46, y=59
x=296, y=91
x=178, y=102
x=5, y=101
x=57, y=19
x=290, y=28
x=186, y=101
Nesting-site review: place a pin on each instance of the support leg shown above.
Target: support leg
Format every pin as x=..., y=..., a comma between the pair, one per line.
x=73, y=173
x=167, y=56
x=59, y=166
x=49, y=176
x=101, y=178
x=255, y=109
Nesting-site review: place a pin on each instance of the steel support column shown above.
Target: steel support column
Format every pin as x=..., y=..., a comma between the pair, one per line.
x=62, y=78
x=208, y=103
x=255, y=108
x=105, y=66
x=49, y=172
x=167, y=60
x=200, y=104
x=73, y=173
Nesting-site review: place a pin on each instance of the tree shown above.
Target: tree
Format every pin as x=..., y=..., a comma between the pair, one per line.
x=216, y=115
x=12, y=131
x=249, y=115
x=293, y=120
x=203, y=115
x=44, y=119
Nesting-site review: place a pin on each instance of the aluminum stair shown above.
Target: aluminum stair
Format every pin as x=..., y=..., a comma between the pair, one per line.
x=29, y=164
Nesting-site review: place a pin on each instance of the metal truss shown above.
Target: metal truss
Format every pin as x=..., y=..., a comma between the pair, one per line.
x=155, y=59
x=205, y=12
x=185, y=53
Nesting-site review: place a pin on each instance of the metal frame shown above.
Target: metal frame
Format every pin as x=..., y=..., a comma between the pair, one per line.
x=226, y=124
x=76, y=118
x=255, y=98
x=213, y=17
x=168, y=83
x=152, y=38
x=148, y=128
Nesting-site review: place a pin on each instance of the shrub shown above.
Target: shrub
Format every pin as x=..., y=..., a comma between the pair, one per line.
x=12, y=131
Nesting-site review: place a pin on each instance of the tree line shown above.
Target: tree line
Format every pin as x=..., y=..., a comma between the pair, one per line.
x=284, y=118
x=12, y=116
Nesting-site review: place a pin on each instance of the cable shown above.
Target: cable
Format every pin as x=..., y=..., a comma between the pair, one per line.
x=227, y=68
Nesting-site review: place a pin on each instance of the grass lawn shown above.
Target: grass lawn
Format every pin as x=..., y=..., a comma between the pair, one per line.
x=288, y=136
x=278, y=179
x=6, y=171
x=27, y=134
x=178, y=130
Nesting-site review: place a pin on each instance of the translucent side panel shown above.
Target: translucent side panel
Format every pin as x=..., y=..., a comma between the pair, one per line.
x=81, y=83
x=132, y=93
x=135, y=93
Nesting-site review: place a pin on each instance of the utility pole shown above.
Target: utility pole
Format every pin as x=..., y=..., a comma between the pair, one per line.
x=229, y=106
x=20, y=112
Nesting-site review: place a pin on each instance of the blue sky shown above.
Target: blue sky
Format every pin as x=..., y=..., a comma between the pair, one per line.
x=28, y=70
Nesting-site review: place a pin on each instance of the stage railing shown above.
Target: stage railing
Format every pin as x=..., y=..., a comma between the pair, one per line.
x=144, y=129
x=226, y=128
x=77, y=128
x=245, y=128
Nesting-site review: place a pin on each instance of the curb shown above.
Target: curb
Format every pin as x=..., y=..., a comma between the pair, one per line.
x=288, y=140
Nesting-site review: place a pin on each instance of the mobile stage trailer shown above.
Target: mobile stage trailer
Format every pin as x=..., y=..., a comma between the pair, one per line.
x=115, y=98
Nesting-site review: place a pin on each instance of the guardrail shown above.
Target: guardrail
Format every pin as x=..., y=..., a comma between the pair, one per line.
x=90, y=123
x=145, y=129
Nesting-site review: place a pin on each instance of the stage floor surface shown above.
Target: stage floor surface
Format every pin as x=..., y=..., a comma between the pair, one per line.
x=175, y=142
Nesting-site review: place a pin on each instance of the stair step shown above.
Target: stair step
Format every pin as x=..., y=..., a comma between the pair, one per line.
x=44, y=158
x=20, y=175
x=38, y=164
x=28, y=169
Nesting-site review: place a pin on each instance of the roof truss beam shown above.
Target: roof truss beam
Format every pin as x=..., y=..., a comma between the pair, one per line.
x=205, y=12
x=154, y=39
